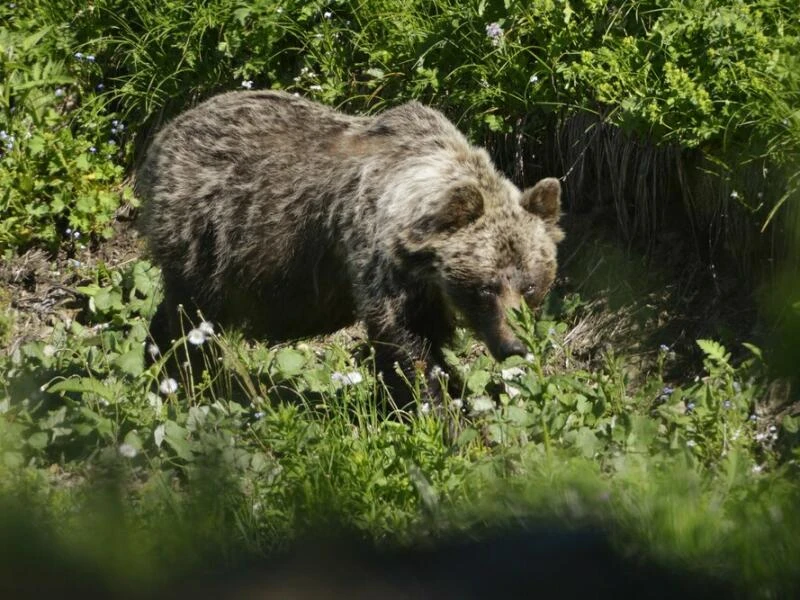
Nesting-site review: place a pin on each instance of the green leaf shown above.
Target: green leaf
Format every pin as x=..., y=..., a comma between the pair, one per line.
x=755, y=350
x=36, y=145
x=494, y=122
x=131, y=362
x=84, y=385
x=38, y=440
x=176, y=436
x=714, y=350
x=585, y=440
x=477, y=381
x=791, y=424
x=143, y=278
x=290, y=362
x=467, y=436
x=82, y=162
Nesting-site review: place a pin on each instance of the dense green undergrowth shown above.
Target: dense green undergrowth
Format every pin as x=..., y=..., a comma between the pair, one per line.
x=275, y=442
x=718, y=77
x=691, y=458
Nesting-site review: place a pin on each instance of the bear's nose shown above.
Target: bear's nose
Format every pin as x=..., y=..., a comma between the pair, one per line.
x=512, y=347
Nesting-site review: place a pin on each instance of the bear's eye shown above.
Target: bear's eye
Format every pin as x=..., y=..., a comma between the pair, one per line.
x=529, y=291
x=488, y=291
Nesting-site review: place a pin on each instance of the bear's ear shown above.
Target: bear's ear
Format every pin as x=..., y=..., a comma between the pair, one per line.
x=463, y=205
x=544, y=200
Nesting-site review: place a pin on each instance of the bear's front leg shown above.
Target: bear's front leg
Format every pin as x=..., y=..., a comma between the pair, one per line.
x=408, y=337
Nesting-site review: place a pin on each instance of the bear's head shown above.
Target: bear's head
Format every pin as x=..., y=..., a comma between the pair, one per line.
x=491, y=248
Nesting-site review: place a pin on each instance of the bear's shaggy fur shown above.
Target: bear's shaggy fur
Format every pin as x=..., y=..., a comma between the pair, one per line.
x=284, y=218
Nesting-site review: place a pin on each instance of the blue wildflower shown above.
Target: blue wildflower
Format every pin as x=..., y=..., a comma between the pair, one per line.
x=494, y=31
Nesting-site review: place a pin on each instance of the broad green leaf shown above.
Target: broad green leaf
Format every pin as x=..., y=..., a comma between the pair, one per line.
x=177, y=438
x=477, y=381
x=290, y=362
x=38, y=440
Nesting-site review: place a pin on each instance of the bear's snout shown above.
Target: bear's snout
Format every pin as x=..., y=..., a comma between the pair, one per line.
x=510, y=347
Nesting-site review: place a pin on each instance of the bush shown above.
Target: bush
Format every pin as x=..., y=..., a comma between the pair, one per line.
x=60, y=171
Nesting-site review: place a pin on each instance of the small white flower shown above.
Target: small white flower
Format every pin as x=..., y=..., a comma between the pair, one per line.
x=49, y=350
x=534, y=79
x=481, y=404
x=153, y=351
x=279, y=10
x=425, y=408
x=168, y=386
x=757, y=468
x=196, y=337
x=59, y=92
x=328, y=14
x=318, y=36
x=691, y=443
x=457, y=403
x=315, y=88
x=90, y=57
x=247, y=84
x=352, y=378
x=207, y=328
x=734, y=194
x=127, y=450
x=529, y=357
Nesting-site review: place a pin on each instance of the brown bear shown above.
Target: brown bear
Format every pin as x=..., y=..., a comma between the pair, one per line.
x=284, y=218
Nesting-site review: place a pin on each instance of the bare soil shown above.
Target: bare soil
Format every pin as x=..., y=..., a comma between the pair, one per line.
x=38, y=289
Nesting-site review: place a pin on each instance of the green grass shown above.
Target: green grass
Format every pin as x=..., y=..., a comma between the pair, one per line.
x=274, y=446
